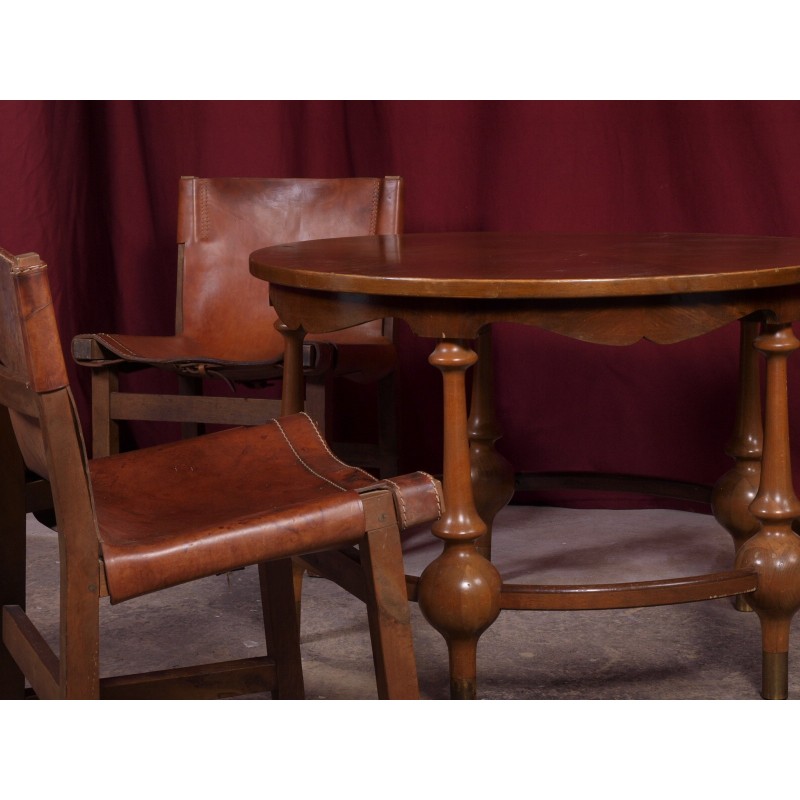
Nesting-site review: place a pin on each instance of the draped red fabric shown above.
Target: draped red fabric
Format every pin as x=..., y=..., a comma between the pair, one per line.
x=92, y=187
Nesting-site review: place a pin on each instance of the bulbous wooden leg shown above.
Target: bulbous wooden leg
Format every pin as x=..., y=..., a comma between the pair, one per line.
x=492, y=474
x=735, y=491
x=459, y=592
x=774, y=551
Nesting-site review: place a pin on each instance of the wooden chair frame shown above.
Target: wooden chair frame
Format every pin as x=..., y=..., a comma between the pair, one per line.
x=37, y=411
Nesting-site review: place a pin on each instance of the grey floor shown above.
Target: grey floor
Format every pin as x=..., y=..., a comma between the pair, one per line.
x=692, y=651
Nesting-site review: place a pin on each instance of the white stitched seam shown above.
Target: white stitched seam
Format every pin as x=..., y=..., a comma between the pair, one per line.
x=300, y=459
x=373, y=223
x=18, y=271
x=399, y=495
x=330, y=452
x=401, y=500
x=435, y=492
x=119, y=344
x=205, y=223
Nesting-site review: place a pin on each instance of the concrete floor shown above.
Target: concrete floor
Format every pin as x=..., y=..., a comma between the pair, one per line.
x=692, y=651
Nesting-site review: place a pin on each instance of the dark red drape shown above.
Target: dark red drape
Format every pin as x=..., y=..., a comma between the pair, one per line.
x=92, y=187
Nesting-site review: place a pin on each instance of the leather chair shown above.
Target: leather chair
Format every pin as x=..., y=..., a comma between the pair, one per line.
x=138, y=522
x=224, y=326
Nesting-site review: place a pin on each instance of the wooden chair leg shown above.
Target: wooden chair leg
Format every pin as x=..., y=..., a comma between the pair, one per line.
x=12, y=548
x=282, y=627
x=190, y=387
x=79, y=652
x=387, y=608
x=105, y=430
x=299, y=570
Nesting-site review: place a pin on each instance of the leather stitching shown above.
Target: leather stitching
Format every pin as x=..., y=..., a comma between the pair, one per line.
x=300, y=458
x=22, y=271
x=205, y=222
x=330, y=452
x=439, y=508
x=373, y=223
x=119, y=344
x=401, y=500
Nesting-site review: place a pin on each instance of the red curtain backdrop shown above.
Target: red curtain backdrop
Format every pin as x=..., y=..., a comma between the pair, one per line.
x=92, y=187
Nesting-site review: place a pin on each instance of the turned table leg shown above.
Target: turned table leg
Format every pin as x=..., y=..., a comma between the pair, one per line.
x=459, y=592
x=735, y=491
x=293, y=395
x=773, y=552
x=492, y=474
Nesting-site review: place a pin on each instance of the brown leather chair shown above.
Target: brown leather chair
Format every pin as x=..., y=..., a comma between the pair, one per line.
x=224, y=325
x=135, y=523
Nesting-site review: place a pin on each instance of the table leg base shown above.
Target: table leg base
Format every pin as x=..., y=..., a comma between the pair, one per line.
x=740, y=604
x=775, y=676
x=463, y=669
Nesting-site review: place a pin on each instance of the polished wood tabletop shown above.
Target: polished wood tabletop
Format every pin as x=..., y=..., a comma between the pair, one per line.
x=601, y=288
x=507, y=265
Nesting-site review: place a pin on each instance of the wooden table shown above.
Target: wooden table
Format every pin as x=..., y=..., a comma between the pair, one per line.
x=605, y=288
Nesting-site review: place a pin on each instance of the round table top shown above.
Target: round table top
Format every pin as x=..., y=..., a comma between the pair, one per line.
x=532, y=265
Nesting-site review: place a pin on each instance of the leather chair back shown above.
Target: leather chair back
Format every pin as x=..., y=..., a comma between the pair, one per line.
x=221, y=221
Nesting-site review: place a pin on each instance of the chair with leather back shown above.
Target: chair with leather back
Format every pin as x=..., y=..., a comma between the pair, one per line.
x=224, y=326
x=135, y=523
